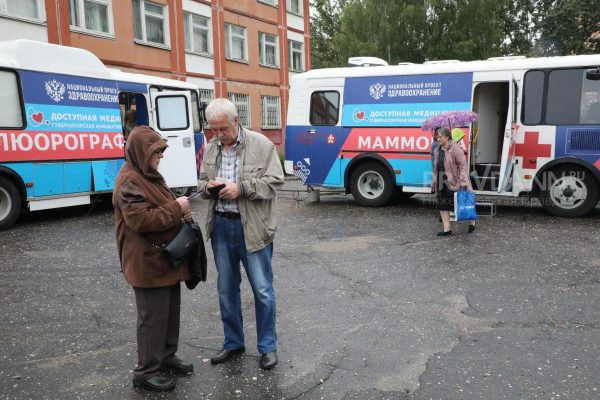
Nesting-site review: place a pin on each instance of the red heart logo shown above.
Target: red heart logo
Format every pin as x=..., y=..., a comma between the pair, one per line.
x=360, y=115
x=38, y=117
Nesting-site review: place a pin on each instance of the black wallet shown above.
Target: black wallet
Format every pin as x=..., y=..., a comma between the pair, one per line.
x=214, y=191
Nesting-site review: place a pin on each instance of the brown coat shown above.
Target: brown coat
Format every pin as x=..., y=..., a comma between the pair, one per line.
x=455, y=165
x=146, y=213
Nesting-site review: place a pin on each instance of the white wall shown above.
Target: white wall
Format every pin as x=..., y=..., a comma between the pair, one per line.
x=15, y=29
x=203, y=83
x=296, y=22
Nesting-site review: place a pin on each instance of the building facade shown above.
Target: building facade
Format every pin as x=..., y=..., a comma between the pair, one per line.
x=245, y=50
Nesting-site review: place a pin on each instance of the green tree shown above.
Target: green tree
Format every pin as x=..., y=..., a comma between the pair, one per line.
x=569, y=27
x=325, y=25
x=392, y=30
x=520, y=26
x=465, y=29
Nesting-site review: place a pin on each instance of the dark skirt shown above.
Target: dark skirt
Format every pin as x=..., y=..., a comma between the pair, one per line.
x=444, y=198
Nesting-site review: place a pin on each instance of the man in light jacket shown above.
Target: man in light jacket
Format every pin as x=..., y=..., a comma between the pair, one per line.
x=240, y=174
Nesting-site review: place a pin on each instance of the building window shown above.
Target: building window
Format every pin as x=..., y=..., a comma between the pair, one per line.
x=242, y=103
x=91, y=15
x=268, y=45
x=269, y=2
x=207, y=95
x=30, y=9
x=270, y=112
x=295, y=7
x=197, y=33
x=149, y=22
x=235, y=43
x=296, y=55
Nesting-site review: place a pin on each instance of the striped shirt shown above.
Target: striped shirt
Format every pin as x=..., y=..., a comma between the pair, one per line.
x=229, y=171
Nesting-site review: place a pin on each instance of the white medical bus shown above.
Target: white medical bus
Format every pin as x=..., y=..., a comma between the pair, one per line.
x=62, y=124
x=538, y=134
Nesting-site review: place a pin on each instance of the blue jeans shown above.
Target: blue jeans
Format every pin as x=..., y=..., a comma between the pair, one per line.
x=229, y=249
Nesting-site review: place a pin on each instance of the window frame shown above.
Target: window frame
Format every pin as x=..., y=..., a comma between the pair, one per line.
x=189, y=17
x=165, y=20
x=264, y=111
x=81, y=11
x=262, y=45
x=272, y=3
x=310, y=112
x=21, y=100
x=300, y=12
x=158, y=108
x=41, y=11
x=290, y=55
x=234, y=97
x=228, y=42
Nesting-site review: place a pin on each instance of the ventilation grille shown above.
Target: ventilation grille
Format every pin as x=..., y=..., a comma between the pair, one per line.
x=583, y=141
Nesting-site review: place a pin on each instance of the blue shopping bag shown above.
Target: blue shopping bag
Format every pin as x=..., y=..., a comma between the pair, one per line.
x=464, y=206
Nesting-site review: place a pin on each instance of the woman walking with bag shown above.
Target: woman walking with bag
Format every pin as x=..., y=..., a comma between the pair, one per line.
x=450, y=174
x=147, y=213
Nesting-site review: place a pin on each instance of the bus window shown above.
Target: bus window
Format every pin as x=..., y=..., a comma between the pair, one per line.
x=563, y=104
x=10, y=113
x=590, y=102
x=533, y=96
x=324, y=108
x=172, y=113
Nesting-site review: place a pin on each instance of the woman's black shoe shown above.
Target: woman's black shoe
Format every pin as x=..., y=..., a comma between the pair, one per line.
x=445, y=233
x=471, y=228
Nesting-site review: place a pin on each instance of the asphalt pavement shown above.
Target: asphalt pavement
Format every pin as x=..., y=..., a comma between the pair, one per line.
x=371, y=305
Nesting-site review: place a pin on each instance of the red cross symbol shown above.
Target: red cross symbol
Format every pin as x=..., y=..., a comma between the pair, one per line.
x=531, y=149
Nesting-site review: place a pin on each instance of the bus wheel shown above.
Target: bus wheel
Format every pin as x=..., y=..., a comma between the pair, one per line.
x=372, y=184
x=569, y=192
x=181, y=191
x=10, y=203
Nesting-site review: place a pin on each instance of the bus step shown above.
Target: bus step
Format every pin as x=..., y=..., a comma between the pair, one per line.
x=485, y=208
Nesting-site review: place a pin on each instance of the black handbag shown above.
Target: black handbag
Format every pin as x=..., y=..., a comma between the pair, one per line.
x=181, y=247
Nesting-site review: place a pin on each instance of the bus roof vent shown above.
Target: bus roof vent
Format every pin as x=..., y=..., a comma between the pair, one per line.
x=506, y=58
x=366, y=62
x=441, y=61
x=405, y=63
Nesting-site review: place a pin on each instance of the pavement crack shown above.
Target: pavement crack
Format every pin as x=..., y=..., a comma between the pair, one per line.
x=332, y=369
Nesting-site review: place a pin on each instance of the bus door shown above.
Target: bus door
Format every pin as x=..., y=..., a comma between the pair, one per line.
x=173, y=120
x=508, y=146
x=323, y=139
x=492, y=142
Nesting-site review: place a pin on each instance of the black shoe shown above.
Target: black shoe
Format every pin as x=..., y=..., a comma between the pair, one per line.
x=158, y=383
x=445, y=233
x=225, y=355
x=177, y=366
x=471, y=228
x=268, y=360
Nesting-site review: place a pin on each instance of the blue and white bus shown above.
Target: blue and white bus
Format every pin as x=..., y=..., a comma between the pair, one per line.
x=538, y=134
x=62, y=126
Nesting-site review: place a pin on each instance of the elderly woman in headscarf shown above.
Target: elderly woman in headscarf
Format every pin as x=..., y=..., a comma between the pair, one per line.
x=147, y=213
x=450, y=174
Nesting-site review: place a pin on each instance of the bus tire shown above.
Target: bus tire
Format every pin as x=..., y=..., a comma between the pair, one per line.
x=372, y=184
x=181, y=191
x=569, y=191
x=10, y=203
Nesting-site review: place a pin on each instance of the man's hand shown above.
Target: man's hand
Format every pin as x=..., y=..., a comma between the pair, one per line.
x=229, y=192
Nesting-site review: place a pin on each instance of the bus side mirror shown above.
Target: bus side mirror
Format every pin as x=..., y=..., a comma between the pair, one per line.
x=593, y=74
